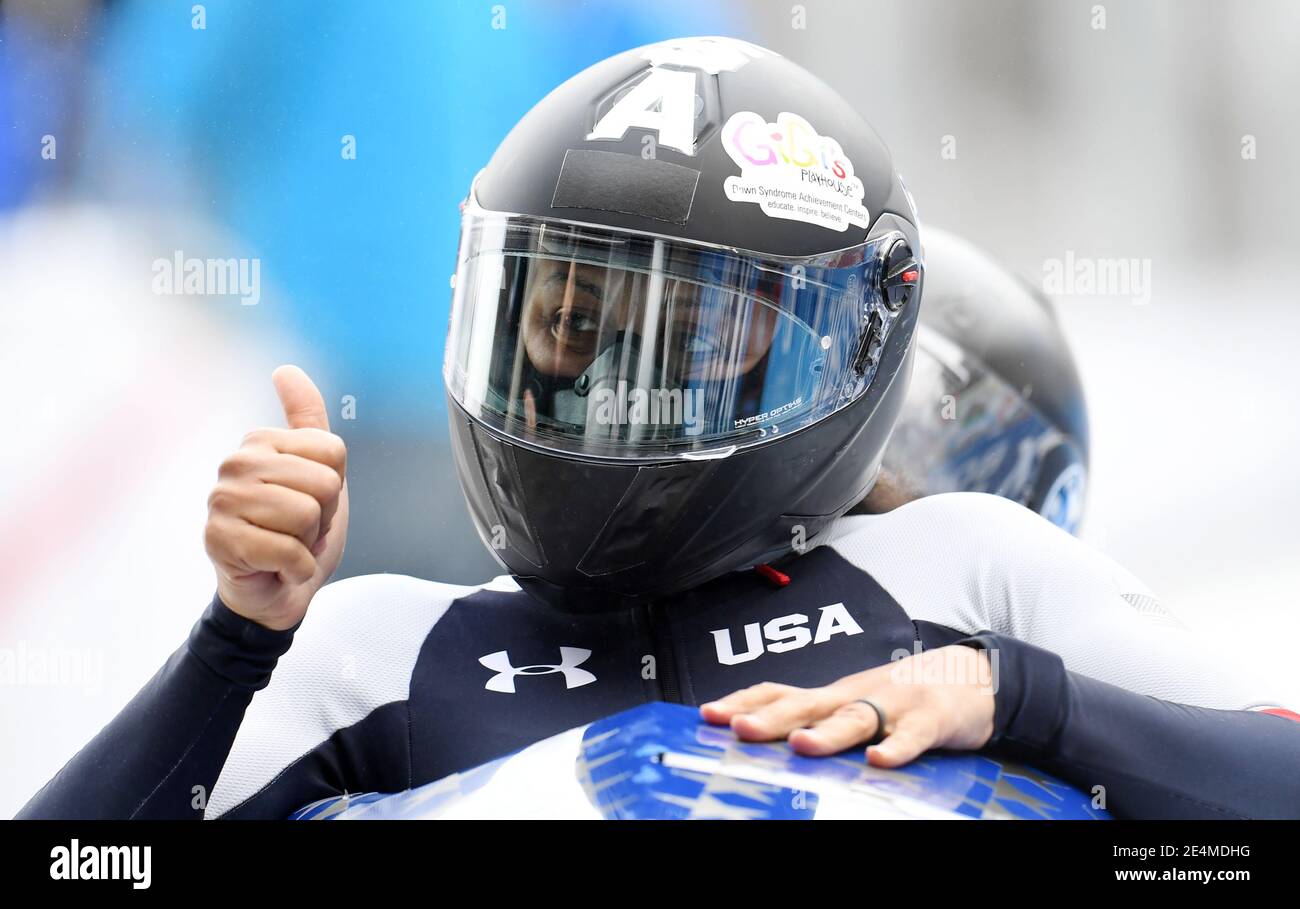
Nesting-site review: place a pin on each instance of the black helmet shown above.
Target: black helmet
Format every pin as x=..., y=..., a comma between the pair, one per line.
x=682, y=326
x=995, y=404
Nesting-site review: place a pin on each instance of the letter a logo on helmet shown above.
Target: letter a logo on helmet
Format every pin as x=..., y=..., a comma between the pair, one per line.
x=747, y=295
x=664, y=101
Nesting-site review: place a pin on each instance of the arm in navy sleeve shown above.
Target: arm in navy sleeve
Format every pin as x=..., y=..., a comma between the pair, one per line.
x=1156, y=759
x=174, y=735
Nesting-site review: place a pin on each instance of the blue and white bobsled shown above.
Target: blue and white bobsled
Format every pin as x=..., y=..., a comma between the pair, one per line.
x=659, y=761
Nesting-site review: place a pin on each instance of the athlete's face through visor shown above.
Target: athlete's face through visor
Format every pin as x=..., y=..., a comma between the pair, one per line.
x=573, y=311
x=627, y=345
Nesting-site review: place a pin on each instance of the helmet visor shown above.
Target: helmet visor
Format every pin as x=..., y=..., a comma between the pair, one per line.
x=996, y=441
x=624, y=345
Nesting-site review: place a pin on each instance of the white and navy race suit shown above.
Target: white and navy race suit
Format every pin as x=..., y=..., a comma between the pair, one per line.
x=392, y=682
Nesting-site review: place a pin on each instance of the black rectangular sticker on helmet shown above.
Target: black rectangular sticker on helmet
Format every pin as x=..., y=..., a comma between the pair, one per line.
x=609, y=181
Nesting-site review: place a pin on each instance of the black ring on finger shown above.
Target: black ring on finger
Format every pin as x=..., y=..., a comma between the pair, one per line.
x=879, y=735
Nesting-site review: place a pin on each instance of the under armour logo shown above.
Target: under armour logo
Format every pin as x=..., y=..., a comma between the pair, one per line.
x=570, y=659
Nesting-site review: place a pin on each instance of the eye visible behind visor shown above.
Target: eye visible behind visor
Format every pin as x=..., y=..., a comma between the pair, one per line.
x=624, y=345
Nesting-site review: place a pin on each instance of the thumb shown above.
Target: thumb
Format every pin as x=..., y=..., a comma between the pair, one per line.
x=304, y=408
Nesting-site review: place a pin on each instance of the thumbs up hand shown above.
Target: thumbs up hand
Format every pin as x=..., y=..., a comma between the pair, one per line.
x=278, y=516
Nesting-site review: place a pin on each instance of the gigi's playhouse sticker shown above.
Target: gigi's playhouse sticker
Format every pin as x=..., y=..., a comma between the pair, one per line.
x=792, y=172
